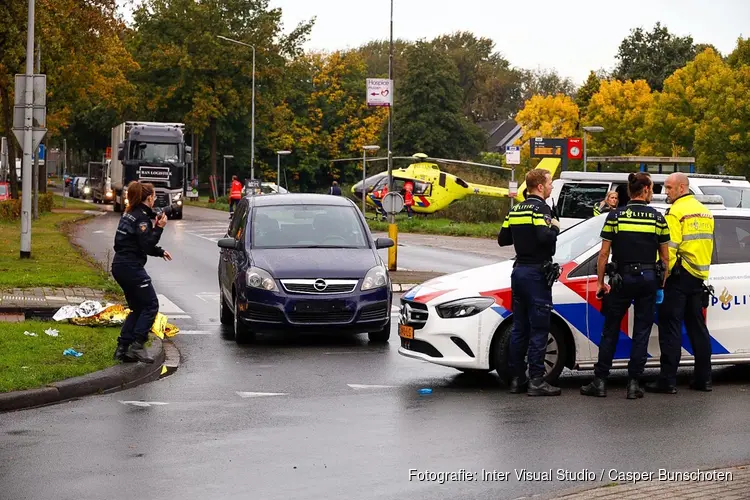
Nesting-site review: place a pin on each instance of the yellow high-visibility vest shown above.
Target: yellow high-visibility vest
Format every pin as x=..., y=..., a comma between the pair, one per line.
x=691, y=230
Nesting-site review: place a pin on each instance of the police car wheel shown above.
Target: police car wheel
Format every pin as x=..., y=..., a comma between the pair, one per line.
x=554, y=358
x=242, y=334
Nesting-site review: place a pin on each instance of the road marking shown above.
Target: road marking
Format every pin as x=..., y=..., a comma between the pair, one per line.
x=259, y=394
x=194, y=332
x=395, y=310
x=177, y=316
x=143, y=403
x=208, y=296
x=98, y=232
x=363, y=386
x=166, y=306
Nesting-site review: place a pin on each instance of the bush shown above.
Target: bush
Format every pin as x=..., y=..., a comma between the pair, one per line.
x=46, y=200
x=10, y=210
x=477, y=209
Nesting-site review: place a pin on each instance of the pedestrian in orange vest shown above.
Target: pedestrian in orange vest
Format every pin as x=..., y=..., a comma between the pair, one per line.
x=235, y=194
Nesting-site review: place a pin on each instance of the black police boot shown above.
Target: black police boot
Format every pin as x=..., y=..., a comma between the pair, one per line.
x=634, y=389
x=597, y=388
x=538, y=387
x=661, y=388
x=121, y=354
x=137, y=351
x=697, y=385
x=519, y=385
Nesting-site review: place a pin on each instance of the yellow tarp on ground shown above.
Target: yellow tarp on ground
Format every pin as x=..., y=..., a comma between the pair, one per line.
x=116, y=314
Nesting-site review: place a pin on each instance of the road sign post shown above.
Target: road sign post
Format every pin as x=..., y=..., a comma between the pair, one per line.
x=512, y=157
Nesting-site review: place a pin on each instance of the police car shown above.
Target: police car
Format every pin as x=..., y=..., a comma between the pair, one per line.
x=574, y=194
x=464, y=320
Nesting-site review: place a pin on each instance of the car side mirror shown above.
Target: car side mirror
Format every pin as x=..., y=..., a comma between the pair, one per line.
x=384, y=243
x=229, y=243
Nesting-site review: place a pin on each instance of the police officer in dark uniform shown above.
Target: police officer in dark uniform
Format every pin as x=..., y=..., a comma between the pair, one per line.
x=136, y=238
x=638, y=236
x=532, y=230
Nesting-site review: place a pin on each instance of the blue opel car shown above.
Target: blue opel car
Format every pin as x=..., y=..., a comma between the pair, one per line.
x=303, y=262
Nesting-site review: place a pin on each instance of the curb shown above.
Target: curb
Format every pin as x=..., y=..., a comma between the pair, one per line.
x=402, y=287
x=112, y=379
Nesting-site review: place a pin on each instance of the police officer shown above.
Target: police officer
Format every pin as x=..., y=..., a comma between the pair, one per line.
x=609, y=203
x=691, y=226
x=635, y=234
x=136, y=238
x=532, y=230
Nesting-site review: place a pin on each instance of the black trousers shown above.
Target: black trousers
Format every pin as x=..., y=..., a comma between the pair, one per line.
x=683, y=302
x=639, y=290
x=142, y=301
x=532, y=308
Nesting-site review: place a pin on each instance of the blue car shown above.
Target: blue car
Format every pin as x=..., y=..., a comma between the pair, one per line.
x=303, y=262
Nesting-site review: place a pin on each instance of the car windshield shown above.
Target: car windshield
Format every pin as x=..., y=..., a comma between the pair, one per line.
x=3, y=190
x=307, y=226
x=577, y=239
x=734, y=196
x=155, y=153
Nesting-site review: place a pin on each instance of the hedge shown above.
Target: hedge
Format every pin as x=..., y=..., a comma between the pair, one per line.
x=10, y=210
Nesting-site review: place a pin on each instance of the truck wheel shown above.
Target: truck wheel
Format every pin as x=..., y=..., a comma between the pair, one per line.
x=177, y=215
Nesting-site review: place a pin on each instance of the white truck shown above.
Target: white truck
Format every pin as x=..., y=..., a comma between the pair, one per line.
x=153, y=152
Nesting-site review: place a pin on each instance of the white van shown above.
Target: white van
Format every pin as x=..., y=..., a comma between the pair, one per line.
x=574, y=194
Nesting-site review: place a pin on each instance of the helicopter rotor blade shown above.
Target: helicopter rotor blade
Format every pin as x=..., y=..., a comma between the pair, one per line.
x=470, y=163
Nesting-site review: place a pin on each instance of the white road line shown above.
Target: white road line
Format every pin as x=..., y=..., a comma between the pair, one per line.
x=259, y=394
x=194, y=332
x=143, y=403
x=177, y=316
x=208, y=296
x=166, y=306
x=363, y=386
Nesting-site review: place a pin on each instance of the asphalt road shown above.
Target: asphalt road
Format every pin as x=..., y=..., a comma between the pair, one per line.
x=337, y=418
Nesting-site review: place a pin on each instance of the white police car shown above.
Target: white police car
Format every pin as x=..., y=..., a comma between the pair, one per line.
x=464, y=320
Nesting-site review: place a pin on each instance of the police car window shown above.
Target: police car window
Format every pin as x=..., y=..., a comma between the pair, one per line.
x=734, y=196
x=577, y=199
x=732, y=240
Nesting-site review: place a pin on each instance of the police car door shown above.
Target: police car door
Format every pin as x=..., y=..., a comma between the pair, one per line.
x=727, y=311
x=577, y=199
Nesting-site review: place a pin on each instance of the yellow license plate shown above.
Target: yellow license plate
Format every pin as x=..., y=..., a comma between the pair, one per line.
x=406, y=332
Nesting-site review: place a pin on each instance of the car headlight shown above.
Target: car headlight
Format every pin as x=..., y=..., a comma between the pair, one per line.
x=463, y=308
x=260, y=278
x=109, y=194
x=176, y=196
x=375, y=278
x=87, y=190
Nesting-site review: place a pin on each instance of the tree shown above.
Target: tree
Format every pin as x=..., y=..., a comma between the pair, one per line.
x=741, y=54
x=653, y=56
x=427, y=112
x=621, y=108
x=672, y=120
x=546, y=83
x=548, y=116
x=722, y=138
x=584, y=94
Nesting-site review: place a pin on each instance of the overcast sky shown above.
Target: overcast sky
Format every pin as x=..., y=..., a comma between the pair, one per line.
x=573, y=36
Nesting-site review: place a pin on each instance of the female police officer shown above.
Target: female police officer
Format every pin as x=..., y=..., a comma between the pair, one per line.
x=136, y=238
x=636, y=233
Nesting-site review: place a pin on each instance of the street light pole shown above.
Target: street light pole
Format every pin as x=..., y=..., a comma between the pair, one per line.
x=592, y=129
x=252, y=126
x=27, y=139
x=278, y=168
x=365, y=149
x=392, y=227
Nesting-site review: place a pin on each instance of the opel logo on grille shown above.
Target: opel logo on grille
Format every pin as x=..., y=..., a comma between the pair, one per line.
x=320, y=285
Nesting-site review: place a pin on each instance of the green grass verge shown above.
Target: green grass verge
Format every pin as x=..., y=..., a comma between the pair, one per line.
x=203, y=203
x=54, y=261
x=445, y=227
x=31, y=362
x=72, y=203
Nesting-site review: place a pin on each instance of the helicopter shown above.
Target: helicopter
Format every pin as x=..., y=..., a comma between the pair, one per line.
x=433, y=189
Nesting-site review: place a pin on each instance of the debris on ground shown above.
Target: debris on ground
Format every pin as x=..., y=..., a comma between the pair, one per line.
x=92, y=313
x=72, y=352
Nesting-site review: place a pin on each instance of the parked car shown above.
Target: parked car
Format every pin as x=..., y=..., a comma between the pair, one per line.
x=305, y=262
x=464, y=320
x=4, y=191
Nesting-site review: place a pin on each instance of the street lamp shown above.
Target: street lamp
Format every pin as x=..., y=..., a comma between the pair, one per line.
x=593, y=130
x=225, y=172
x=252, y=133
x=278, y=168
x=364, y=173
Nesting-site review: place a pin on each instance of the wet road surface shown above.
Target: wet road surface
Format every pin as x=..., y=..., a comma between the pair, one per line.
x=335, y=417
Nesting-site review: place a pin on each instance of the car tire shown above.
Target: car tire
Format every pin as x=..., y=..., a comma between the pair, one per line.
x=225, y=314
x=381, y=336
x=177, y=216
x=554, y=359
x=242, y=334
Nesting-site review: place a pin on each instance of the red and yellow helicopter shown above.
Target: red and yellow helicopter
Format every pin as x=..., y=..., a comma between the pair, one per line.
x=433, y=189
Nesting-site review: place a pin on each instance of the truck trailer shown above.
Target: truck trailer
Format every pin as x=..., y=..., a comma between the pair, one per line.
x=153, y=152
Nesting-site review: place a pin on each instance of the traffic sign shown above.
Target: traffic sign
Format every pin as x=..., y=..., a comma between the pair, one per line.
x=513, y=155
x=542, y=147
x=393, y=203
x=513, y=189
x=575, y=149
x=40, y=90
x=36, y=138
x=39, y=109
x=379, y=92
x=41, y=151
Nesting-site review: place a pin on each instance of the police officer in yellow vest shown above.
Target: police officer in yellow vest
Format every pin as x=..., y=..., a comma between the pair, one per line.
x=691, y=228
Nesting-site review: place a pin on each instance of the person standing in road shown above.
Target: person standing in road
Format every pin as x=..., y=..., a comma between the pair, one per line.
x=235, y=194
x=635, y=234
x=532, y=230
x=335, y=190
x=135, y=239
x=691, y=226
